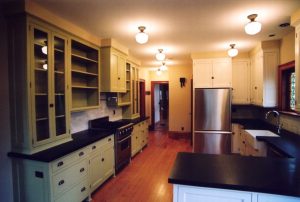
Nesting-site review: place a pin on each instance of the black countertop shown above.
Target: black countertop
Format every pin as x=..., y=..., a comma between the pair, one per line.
x=80, y=140
x=258, y=174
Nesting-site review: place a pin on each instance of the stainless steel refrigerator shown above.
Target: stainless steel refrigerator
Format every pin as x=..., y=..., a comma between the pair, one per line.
x=212, y=120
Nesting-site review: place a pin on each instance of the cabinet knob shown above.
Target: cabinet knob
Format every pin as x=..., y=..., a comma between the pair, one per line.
x=83, y=189
x=81, y=154
x=102, y=159
x=109, y=139
x=212, y=77
x=51, y=105
x=255, y=87
x=118, y=78
x=94, y=147
x=61, y=182
x=81, y=170
x=60, y=163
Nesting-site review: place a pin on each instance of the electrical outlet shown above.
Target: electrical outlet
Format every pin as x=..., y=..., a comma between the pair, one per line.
x=182, y=128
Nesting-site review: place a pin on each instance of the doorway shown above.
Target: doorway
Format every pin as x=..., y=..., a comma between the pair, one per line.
x=160, y=105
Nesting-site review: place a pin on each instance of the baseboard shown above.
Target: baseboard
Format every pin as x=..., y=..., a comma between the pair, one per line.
x=179, y=135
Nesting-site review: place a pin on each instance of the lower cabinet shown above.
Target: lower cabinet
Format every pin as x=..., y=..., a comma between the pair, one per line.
x=183, y=193
x=72, y=177
x=139, y=137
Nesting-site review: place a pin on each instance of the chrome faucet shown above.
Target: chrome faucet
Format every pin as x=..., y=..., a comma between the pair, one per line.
x=278, y=119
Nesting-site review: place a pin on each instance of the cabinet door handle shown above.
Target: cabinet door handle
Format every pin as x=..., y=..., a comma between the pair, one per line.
x=81, y=154
x=51, y=105
x=118, y=78
x=102, y=159
x=61, y=182
x=81, y=170
x=212, y=77
x=60, y=163
x=94, y=147
x=83, y=189
x=109, y=139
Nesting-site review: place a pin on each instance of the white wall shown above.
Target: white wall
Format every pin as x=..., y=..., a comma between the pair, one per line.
x=6, y=189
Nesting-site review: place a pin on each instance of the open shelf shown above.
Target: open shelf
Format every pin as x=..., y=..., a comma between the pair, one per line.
x=84, y=73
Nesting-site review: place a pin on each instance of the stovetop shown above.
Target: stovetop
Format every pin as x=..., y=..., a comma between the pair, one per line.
x=105, y=124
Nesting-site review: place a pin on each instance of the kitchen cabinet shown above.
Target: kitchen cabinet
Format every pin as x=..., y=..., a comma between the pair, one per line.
x=132, y=111
x=182, y=193
x=297, y=63
x=101, y=162
x=39, y=84
x=113, y=70
x=264, y=64
x=241, y=81
x=212, y=73
x=72, y=177
x=84, y=75
x=139, y=137
x=236, y=142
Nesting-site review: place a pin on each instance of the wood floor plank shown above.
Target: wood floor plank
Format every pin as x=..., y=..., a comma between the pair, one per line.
x=146, y=177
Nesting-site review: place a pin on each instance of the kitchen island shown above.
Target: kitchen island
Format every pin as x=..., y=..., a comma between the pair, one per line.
x=207, y=177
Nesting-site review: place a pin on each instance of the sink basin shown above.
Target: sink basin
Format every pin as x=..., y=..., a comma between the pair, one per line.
x=251, y=135
x=256, y=133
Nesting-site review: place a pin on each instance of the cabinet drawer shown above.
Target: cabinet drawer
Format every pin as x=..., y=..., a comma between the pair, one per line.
x=65, y=161
x=99, y=144
x=77, y=193
x=67, y=178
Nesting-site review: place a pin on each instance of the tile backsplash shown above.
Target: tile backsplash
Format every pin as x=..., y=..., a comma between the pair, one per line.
x=79, y=120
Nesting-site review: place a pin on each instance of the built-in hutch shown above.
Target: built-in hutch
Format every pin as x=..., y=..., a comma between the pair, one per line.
x=295, y=21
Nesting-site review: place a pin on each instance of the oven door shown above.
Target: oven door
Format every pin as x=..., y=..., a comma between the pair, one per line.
x=123, y=152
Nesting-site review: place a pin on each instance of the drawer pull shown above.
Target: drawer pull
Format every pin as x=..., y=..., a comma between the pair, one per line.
x=94, y=147
x=109, y=139
x=60, y=163
x=83, y=189
x=81, y=170
x=102, y=159
x=81, y=154
x=61, y=182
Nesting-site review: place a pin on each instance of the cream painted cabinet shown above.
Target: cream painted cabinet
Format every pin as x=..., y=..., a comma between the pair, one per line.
x=264, y=66
x=113, y=70
x=212, y=73
x=101, y=162
x=139, y=137
x=241, y=81
x=297, y=64
x=39, y=85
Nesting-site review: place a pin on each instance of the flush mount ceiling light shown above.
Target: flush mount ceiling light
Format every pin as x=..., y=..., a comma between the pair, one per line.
x=232, y=52
x=163, y=67
x=158, y=72
x=141, y=37
x=160, y=55
x=252, y=27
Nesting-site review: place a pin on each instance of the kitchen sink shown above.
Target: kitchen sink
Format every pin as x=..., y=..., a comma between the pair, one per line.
x=251, y=135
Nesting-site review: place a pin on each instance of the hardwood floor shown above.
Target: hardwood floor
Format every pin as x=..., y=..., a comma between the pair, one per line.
x=146, y=177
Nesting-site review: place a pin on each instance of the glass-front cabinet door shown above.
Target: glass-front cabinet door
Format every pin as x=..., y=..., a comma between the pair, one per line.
x=48, y=84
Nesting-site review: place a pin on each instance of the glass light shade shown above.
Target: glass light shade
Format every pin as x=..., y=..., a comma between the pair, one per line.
x=158, y=72
x=45, y=50
x=252, y=27
x=232, y=52
x=164, y=67
x=141, y=37
x=45, y=66
x=160, y=56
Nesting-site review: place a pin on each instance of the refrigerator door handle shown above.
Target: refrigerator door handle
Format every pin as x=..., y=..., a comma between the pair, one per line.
x=213, y=132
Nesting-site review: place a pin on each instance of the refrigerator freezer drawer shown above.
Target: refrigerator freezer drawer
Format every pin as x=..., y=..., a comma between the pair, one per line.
x=212, y=142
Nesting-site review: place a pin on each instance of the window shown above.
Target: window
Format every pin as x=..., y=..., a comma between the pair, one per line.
x=286, y=98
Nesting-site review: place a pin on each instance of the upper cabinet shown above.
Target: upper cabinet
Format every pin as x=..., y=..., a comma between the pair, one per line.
x=264, y=65
x=113, y=70
x=212, y=73
x=84, y=75
x=39, y=87
x=241, y=81
x=295, y=21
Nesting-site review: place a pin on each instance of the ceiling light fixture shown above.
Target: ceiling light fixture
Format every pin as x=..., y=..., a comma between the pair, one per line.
x=158, y=72
x=163, y=67
x=232, y=52
x=252, y=27
x=160, y=55
x=141, y=37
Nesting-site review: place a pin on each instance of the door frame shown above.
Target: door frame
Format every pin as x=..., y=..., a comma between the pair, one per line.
x=142, y=86
x=153, y=83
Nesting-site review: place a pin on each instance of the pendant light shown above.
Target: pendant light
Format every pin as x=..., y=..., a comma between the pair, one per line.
x=252, y=27
x=160, y=56
x=232, y=52
x=163, y=67
x=141, y=37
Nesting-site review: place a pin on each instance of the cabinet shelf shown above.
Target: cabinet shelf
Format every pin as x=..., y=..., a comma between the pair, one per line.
x=41, y=70
x=85, y=87
x=59, y=94
x=60, y=116
x=83, y=58
x=41, y=94
x=59, y=72
x=43, y=44
x=42, y=119
x=84, y=73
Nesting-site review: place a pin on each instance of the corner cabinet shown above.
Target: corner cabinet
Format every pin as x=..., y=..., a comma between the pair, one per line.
x=84, y=75
x=264, y=65
x=113, y=70
x=39, y=88
x=212, y=73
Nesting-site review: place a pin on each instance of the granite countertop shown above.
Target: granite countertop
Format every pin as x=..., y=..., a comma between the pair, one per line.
x=258, y=174
x=80, y=140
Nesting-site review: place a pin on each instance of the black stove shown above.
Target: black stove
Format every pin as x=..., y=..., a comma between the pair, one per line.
x=122, y=131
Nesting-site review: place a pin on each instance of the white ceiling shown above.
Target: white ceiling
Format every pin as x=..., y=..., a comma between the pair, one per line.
x=180, y=27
